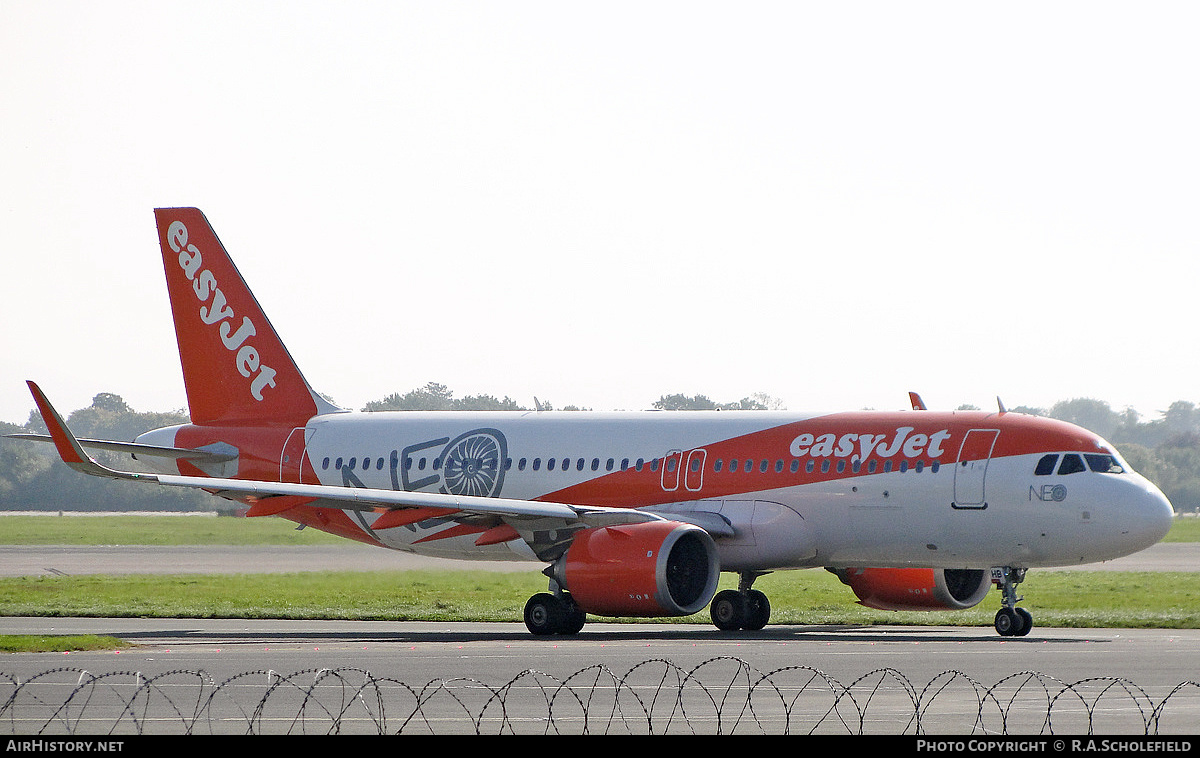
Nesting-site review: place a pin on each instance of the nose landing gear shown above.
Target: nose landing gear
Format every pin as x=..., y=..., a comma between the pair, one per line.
x=1011, y=621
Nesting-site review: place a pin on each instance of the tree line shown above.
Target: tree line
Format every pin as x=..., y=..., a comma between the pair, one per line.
x=439, y=397
x=1165, y=449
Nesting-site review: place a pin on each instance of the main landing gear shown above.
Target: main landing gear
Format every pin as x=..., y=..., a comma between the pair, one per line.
x=743, y=608
x=553, y=613
x=1011, y=621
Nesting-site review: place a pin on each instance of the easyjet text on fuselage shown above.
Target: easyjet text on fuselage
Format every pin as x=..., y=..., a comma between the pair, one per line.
x=861, y=446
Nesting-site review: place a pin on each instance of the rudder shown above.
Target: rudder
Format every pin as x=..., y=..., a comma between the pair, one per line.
x=235, y=367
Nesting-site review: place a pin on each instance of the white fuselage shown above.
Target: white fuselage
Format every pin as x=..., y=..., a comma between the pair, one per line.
x=792, y=502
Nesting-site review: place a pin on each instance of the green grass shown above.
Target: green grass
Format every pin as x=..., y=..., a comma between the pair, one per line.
x=384, y=595
x=1057, y=598
x=1070, y=599
x=1184, y=530
x=46, y=643
x=156, y=530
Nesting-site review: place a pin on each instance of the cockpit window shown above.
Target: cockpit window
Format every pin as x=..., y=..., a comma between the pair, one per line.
x=1045, y=466
x=1104, y=464
x=1071, y=464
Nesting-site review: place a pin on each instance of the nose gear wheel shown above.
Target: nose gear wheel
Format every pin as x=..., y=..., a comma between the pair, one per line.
x=1012, y=621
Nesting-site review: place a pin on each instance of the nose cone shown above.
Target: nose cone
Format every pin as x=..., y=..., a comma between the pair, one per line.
x=1153, y=516
x=1160, y=514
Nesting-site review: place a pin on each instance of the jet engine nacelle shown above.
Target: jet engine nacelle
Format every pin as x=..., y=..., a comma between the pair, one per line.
x=917, y=589
x=657, y=568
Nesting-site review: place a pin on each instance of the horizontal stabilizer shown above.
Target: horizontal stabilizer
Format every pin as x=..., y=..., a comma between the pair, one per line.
x=138, y=449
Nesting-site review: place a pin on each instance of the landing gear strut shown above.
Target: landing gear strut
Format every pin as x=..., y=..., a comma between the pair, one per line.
x=743, y=608
x=1011, y=621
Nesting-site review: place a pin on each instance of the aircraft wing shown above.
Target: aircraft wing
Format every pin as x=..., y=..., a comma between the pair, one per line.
x=71, y=451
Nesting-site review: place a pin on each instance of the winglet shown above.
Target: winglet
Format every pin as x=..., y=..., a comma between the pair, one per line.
x=68, y=447
x=917, y=403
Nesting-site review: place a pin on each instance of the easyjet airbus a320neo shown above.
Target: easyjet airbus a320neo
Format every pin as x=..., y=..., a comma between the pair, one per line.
x=633, y=514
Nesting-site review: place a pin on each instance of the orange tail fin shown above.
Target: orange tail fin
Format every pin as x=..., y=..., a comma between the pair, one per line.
x=235, y=367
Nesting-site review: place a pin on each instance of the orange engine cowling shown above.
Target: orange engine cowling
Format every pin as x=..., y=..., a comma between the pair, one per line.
x=657, y=568
x=917, y=589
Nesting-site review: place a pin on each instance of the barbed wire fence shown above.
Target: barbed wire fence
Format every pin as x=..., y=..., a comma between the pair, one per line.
x=722, y=695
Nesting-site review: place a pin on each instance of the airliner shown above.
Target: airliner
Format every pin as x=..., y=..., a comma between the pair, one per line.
x=632, y=514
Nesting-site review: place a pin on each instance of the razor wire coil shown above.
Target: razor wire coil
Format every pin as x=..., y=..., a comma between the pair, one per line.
x=723, y=695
